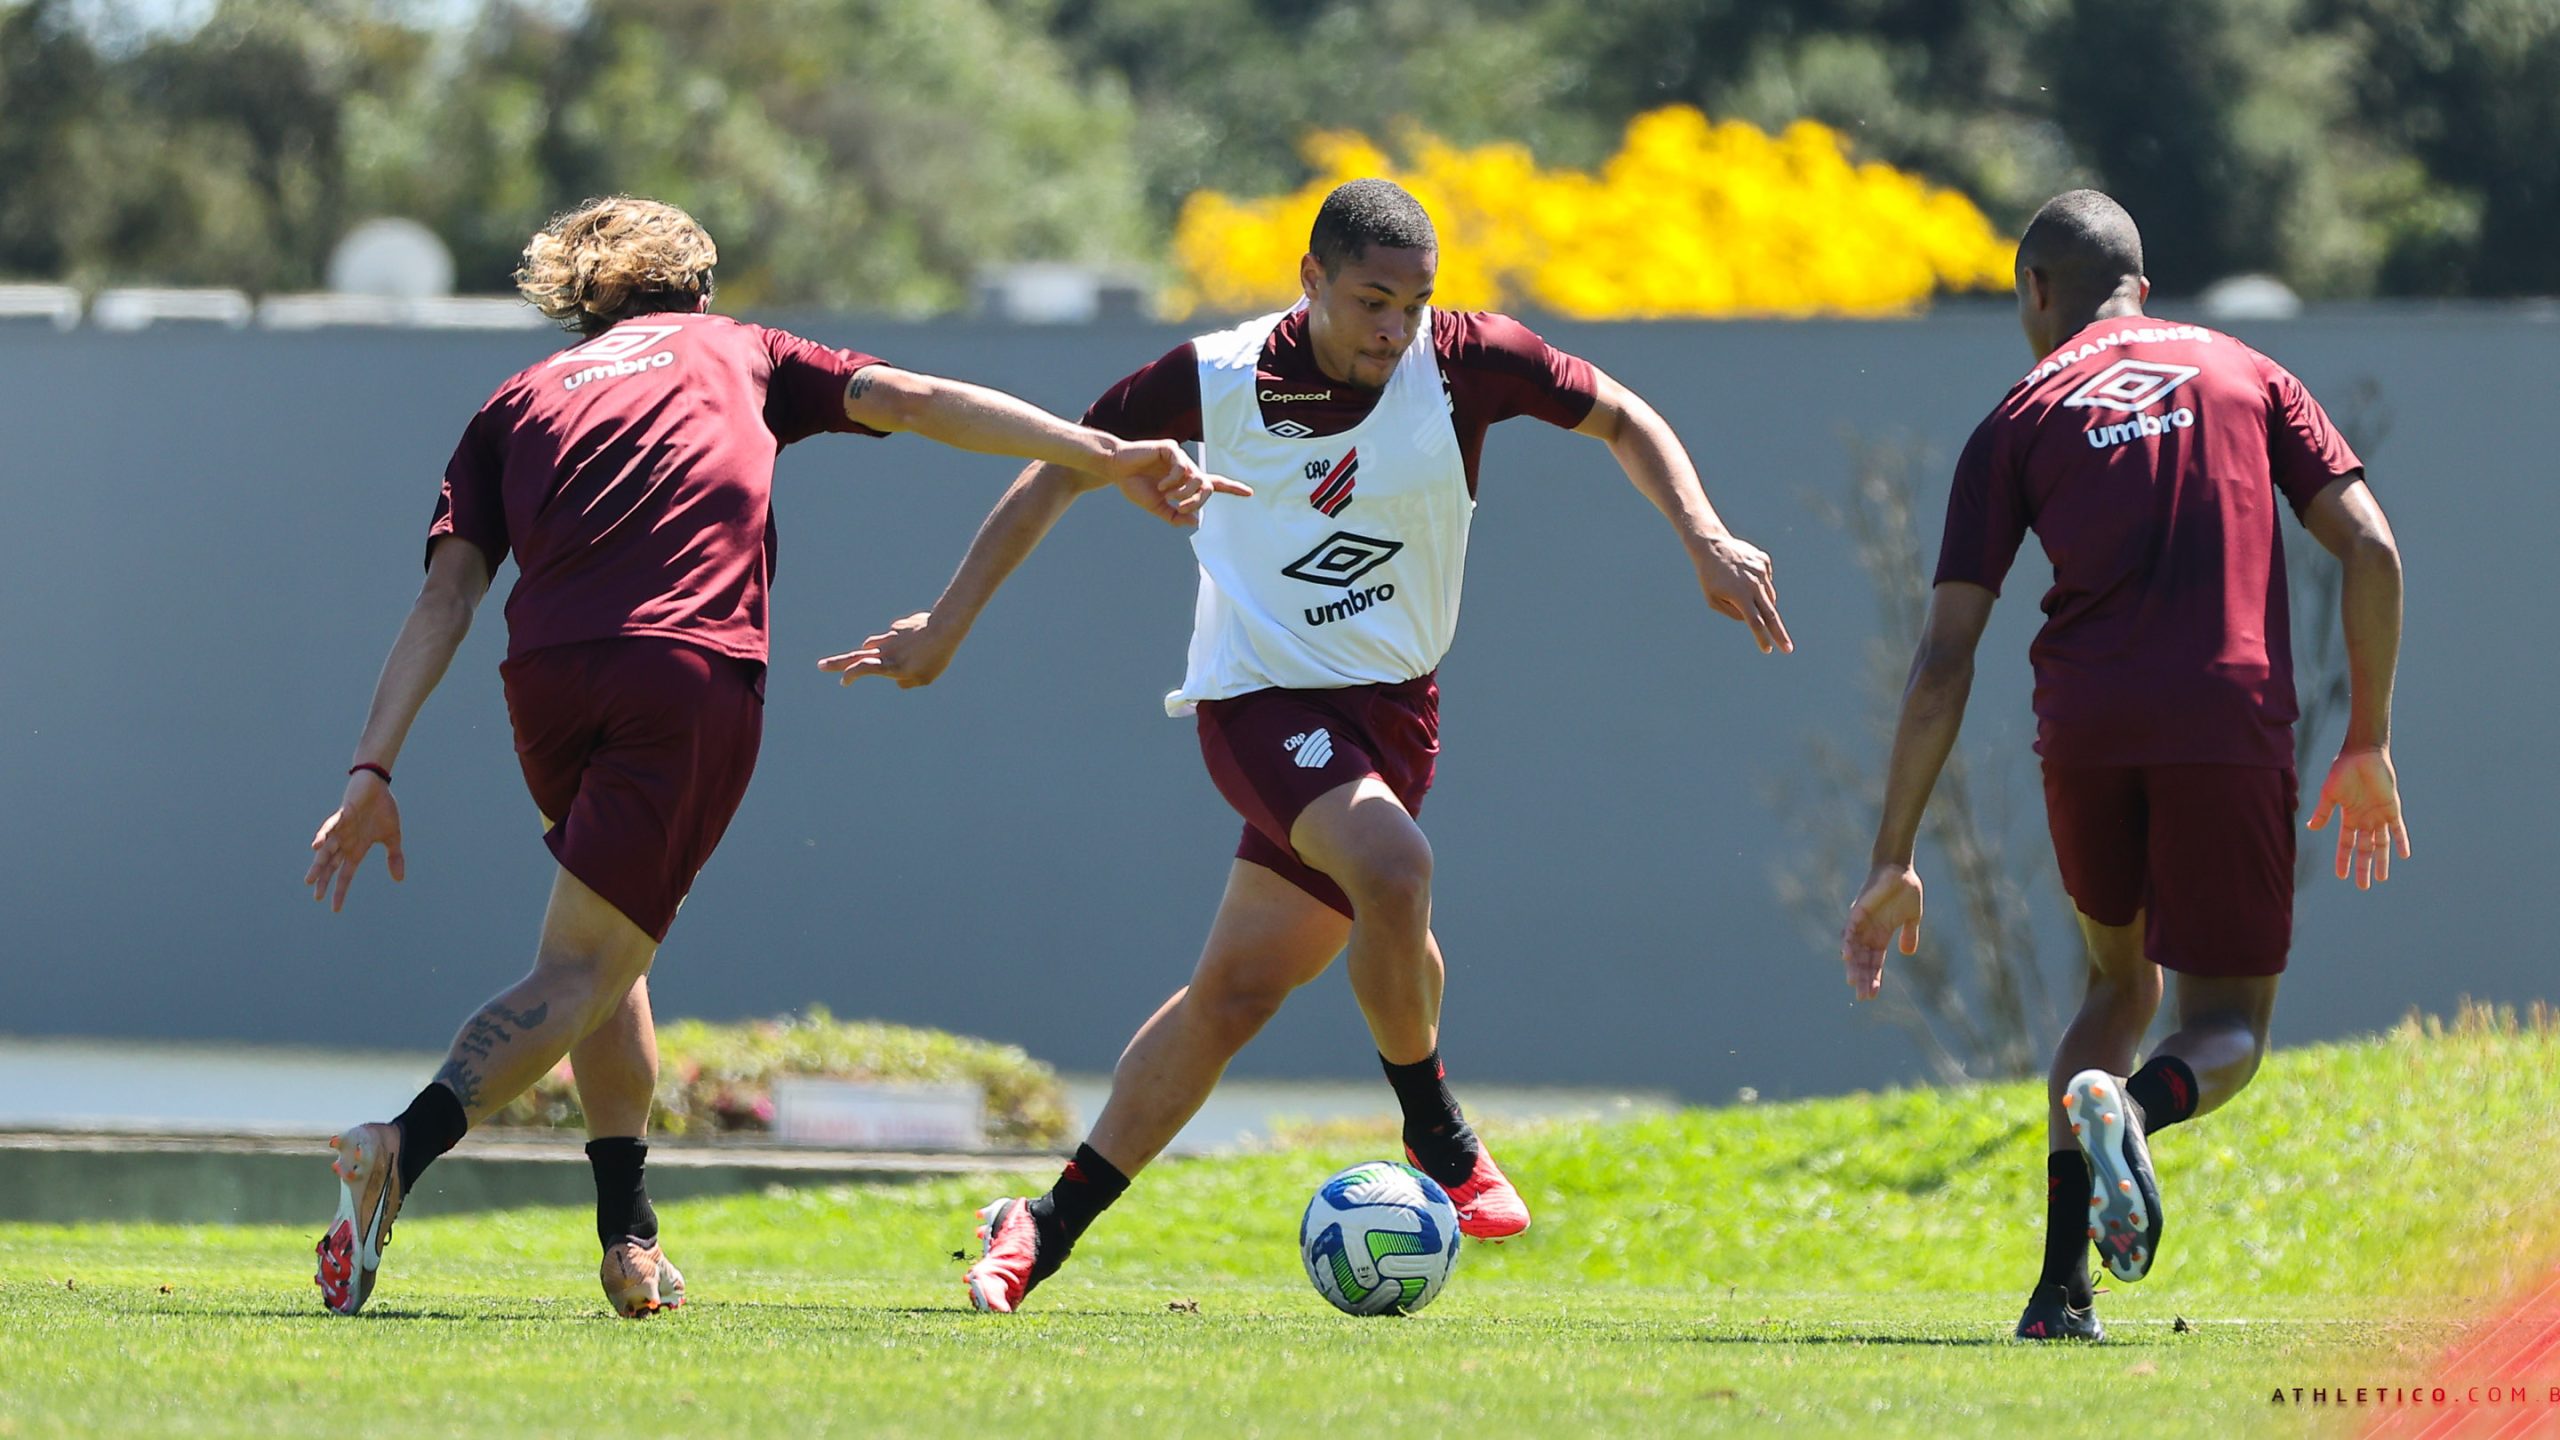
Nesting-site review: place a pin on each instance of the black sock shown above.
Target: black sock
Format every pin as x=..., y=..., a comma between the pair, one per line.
x=1443, y=1146
x=433, y=1124
x=622, y=1190
x=2165, y=1089
x=1084, y=1190
x=2066, y=1226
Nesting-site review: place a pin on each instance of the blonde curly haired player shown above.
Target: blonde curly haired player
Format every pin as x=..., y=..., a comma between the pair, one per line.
x=636, y=646
x=616, y=257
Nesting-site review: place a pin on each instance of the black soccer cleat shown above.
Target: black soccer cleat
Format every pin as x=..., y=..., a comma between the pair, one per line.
x=2124, y=1197
x=2050, y=1315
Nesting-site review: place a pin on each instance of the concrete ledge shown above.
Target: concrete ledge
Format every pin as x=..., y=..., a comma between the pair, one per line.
x=69, y=1178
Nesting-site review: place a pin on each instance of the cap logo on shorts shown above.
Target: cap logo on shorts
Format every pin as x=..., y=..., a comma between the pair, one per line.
x=1311, y=750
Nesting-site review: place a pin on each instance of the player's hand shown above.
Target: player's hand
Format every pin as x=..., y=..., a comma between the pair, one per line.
x=2364, y=792
x=1741, y=582
x=1890, y=902
x=914, y=651
x=367, y=816
x=1161, y=478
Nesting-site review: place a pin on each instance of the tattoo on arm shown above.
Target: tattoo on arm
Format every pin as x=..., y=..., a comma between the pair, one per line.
x=860, y=386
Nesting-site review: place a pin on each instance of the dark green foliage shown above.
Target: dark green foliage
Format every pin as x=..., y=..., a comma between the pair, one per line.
x=874, y=154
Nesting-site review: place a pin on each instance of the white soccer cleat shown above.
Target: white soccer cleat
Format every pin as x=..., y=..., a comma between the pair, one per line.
x=2124, y=1197
x=369, y=1195
x=639, y=1280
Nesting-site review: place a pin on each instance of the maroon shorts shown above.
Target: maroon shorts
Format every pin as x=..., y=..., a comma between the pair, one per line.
x=2205, y=851
x=638, y=751
x=1272, y=752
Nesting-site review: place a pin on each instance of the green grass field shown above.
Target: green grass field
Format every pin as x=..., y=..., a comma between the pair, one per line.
x=1829, y=1267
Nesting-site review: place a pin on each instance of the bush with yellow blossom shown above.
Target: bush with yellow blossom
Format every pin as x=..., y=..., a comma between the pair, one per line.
x=1691, y=217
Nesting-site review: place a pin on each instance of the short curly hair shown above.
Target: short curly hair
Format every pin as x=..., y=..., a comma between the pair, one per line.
x=616, y=256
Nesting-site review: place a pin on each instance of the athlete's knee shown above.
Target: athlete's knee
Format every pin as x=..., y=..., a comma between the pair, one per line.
x=2123, y=988
x=1236, y=1013
x=607, y=973
x=1392, y=883
x=2239, y=1034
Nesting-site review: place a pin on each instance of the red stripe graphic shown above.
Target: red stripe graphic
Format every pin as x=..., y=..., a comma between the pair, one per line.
x=2502, y=1379
x=1334, y=491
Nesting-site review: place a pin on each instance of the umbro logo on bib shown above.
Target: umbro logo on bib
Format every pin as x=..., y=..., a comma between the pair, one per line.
x=1311, y=750
x=1341, y=558
x=1291, y=430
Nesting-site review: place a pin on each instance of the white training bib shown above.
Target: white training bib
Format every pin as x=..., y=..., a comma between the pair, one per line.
x=1343, y=567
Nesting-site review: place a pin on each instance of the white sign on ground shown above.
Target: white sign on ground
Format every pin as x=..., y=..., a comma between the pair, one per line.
x=874, y=1115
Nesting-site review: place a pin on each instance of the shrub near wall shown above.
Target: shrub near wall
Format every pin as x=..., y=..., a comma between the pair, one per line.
x=718, y=1079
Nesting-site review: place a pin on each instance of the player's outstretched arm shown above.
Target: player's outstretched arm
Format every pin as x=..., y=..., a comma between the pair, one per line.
x=1737, y=576
x=1158, y=476
x=917, y=649
x=1888, y=905
x=457, y=578
x=2362, y=788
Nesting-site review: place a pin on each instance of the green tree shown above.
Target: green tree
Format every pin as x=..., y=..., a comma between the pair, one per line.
x=2471, y=89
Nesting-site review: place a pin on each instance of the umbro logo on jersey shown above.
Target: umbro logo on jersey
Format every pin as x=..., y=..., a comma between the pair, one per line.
x=620, y=352
x=620, y=343
x=1334, y=482
x=2130, y=386
x=1291, y=430
x=1341, y=558
x=1311, y=750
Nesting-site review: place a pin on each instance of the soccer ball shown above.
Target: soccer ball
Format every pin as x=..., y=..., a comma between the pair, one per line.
x=1379, y=1238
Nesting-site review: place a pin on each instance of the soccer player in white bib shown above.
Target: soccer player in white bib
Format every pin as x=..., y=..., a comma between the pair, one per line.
x=1327, y=598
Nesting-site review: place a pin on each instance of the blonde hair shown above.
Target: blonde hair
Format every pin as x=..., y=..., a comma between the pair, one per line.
x=616, y=256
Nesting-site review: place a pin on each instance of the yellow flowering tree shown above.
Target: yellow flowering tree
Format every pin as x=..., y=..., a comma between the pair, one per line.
x=1691, y=217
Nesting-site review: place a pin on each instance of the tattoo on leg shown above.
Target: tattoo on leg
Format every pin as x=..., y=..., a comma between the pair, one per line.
x=457, y=1077
x=488, y=1029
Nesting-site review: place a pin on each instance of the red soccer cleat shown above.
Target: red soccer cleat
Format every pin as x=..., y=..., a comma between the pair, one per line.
x=1011, y=1264
x=1488, y=1208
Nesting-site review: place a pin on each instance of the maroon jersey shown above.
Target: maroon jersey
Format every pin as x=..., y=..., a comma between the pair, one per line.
x=632, y=477
x=2147, y=456
x=1493, y=367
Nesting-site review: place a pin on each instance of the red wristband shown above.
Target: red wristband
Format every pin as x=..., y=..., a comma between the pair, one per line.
x=369, y=765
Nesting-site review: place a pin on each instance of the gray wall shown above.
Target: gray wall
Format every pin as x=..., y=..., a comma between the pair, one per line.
x=217, y=535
